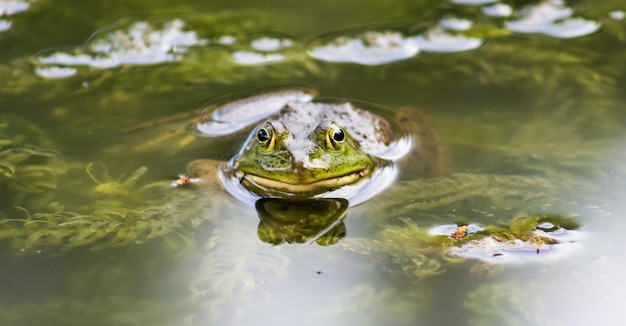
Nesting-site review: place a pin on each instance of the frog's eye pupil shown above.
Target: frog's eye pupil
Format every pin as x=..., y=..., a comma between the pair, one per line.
x=263, y=135
x=339, y=135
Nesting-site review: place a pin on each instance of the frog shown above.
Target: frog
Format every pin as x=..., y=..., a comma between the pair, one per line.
x=300, y=147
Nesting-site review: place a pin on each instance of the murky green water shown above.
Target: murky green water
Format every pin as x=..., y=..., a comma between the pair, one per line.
x=527, y=98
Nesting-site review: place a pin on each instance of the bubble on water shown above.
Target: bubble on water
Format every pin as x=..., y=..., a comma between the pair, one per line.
x=267, y=44
x=617, y=14
x=367, y=48
x=382, y=47
x=254, y=58
x=545, y=225
x=551, y=18
x=440, y=40
x=455, y=24
x=5, y=25
x=142, y=43
x=445, y=37
x=263, y=49
x=498, y=10
x=11, y=7
x=472, y=2
x=56, y=72
x=227, y=40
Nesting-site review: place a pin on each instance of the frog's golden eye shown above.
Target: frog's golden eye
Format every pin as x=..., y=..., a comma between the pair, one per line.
x=335, y=137
x=266, y=138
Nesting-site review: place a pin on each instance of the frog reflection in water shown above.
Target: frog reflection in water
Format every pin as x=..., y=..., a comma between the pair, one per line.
x=305, y=149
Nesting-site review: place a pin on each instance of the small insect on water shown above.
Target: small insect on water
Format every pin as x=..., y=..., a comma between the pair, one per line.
x=459, y=233
x=182, y=180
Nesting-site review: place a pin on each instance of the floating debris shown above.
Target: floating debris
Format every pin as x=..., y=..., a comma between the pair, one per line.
x=227, y=40
x=368, y=48
x=382, y=47
x=617, y=14
x=11, y=7
x=551, y=18
x=5, y=25
x=56, y=72
x=182, y=180
x=498, y=10
x=439, y=40
x=455, y=24
x=255, y=58
x=142, y=43
x=260, y=50
x=472, y=2
x=454, y=231
x=268, y=44
x=445, y=37
x=527, y=238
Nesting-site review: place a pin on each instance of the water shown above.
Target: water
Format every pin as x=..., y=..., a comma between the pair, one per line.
x=529, y=108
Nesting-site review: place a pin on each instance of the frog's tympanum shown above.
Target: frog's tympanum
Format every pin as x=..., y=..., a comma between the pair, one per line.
x=302, y=148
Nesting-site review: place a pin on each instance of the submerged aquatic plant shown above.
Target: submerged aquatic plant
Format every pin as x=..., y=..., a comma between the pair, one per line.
x=452, y=191
x=367, y=305
x=29, y=165
x=229, y=284
x=523, y=167
x=114, y=220
x=507, y=303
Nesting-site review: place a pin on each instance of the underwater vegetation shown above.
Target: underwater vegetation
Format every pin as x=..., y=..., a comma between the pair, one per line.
x=121, y=212
x=30, y=167
x=531, y=111
x=33, y=219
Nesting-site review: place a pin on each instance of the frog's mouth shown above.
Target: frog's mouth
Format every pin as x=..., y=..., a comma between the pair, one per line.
x=255, y=182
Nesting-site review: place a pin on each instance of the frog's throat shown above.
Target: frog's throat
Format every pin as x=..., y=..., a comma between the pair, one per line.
x=302, y=188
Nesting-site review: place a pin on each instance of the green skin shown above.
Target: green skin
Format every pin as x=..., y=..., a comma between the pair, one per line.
x=306, y=149
x=277, y=166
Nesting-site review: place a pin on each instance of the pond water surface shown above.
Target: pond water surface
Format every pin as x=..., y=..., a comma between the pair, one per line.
x=526, y=98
